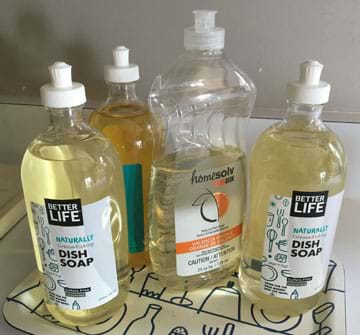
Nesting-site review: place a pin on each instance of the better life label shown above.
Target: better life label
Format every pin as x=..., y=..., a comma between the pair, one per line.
x=77, y=253
x=208, y=219
x=298, y=240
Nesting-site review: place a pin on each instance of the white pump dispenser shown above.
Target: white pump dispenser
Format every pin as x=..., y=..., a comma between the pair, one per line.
x=204, y=35
x=309, y=89
x=121, y=71
x=62, y=92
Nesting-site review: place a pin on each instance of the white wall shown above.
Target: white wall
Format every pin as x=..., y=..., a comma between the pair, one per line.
x=268, y=39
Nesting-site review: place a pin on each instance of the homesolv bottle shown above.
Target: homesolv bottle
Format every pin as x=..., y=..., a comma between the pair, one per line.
x=297, y=177
x=126, y=121
x=198, y=186
x=74, y=194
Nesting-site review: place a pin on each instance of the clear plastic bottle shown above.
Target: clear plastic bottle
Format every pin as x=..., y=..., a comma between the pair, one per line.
x=297, y=176
x=74, y=194
x=198, y=186
x=126, y=121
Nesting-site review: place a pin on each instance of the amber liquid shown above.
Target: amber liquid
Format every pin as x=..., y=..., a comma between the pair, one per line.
x=128, y=126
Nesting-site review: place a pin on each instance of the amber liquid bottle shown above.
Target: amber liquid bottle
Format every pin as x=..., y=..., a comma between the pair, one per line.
x=127, y=123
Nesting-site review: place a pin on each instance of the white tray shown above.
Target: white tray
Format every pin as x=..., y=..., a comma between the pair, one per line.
x=153, y=309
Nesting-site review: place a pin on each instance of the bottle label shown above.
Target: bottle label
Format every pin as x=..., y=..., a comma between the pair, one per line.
x=134, y=206
x=76, y=251
x=208, y=214
x=298, y=240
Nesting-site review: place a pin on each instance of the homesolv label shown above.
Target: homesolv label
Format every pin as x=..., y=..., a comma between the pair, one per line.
x=208, y=219
x=76, y=250
x=298, y=239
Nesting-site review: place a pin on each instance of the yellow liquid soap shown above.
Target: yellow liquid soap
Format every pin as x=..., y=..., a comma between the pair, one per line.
x=128, y=125
x=185, y=188
x=83, y=167
x=299, y=155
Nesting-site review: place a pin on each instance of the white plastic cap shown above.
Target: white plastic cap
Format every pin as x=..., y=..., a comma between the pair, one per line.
x=309, y=89
x=204, y=35
x=62, y=92
x=121, y=71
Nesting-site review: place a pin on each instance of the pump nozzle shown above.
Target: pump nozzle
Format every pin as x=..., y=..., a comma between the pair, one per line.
x=121, y=56
x=309, y=89
x=204, y=20
x=204, y=35
x=121, y=71
x=62, y=92
x=60, y=74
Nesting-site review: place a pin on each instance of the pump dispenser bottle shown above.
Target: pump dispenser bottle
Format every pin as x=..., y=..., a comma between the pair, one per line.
x=297, y=176
x=74, y=194
x=125, y=120
x=198, y=188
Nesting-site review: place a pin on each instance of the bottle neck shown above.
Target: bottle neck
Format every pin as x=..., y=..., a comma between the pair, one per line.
x=66, y=118
x=122, y=91
x=304, y=114
x=206, y=53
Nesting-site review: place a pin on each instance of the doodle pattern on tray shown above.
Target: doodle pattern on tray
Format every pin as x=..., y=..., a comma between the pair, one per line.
x=154, y=309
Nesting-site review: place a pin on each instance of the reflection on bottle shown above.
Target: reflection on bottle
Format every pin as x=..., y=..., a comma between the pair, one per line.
x=144, y=324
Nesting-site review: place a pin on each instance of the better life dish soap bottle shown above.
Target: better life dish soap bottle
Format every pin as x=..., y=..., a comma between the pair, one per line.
x=297, y=176
x=198, y=187
x=126, y=121
x=74, y=194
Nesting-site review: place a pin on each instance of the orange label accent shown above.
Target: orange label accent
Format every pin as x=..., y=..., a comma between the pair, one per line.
x=208, y=242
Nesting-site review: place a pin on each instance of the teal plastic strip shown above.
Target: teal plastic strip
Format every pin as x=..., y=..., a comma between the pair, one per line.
x=134, y=206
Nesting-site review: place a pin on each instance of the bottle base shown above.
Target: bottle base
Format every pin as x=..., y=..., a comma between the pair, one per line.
x=250, y=288
x=173, y=281
x=88, y=317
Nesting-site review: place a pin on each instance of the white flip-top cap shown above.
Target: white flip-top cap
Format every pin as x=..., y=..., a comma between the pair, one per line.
x=62, y=92
x=309, y=89
x=204, y=35
x=121, y=71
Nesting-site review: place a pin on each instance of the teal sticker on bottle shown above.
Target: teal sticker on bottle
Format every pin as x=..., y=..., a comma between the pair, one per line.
x=134, y=206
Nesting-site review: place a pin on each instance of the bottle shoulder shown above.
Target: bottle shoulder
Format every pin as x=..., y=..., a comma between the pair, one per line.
x=76, y=147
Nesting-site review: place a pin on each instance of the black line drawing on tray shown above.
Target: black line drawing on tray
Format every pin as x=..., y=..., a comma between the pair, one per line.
x=149, y=287
x=144, y=324
x=182, y=300
x=210, y=330
x=271, y=234
x=151, y=283
x=19, y=298
x=179, y=330
x=332, y=268
x=320, y=314
x=134, y=271
x=210, y=303
x=269, y=273
x=284, y=223
x=283, y=324
x=229, y=329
